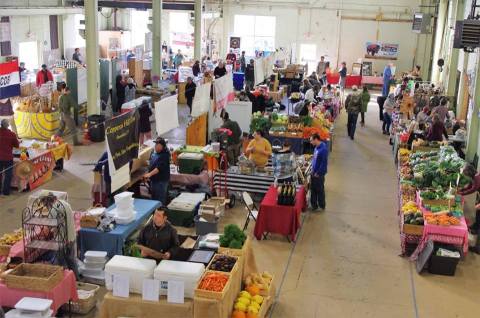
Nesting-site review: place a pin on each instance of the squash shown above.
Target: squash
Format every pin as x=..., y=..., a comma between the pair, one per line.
x=238, y=314
x=253, y=289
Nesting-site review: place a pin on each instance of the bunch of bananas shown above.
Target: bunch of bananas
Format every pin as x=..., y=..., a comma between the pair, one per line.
x=11, y=238
x=410, y=207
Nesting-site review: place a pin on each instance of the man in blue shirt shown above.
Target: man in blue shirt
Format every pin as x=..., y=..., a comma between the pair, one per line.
x=387, y=78
x=319, y=170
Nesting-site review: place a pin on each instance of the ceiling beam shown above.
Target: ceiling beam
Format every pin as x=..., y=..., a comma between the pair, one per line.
x=12, y=11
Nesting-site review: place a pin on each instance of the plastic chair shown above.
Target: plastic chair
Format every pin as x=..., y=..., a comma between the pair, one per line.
x=250, y=207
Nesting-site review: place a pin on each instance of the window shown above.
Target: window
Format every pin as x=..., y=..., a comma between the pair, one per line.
x=181, y=32
x=308, y=54
x=257, y=33
x=138, y=22
x=28, y=53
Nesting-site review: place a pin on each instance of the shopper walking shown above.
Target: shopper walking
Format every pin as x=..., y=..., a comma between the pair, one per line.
x=66, y=104
x=178, y=59
x=250, y=75
x=353, y=105
x=144, y=122
x=319, y=170
x=243, y=62
x=388, y=108
x=387, y=77
x=120, y=91
x=365, y=101
x=190, y=88
x=8, y=142
x=321, y=67
x=381, y=101
x=343, y=76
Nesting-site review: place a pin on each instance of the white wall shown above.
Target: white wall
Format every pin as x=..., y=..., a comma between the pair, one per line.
x=34, y=28
x=340, y=39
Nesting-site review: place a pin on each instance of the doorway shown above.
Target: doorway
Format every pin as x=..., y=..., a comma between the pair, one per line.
x=28, y=53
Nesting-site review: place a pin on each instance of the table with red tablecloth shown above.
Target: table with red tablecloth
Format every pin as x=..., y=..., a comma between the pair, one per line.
x=279, y=219
x=372, y=80
x=61, y=294
x=334, y=78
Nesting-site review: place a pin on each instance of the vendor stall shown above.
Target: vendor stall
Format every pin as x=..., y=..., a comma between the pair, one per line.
x=113, y=241
x=280, y=219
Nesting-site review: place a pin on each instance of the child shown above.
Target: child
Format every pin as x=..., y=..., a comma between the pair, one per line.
x=365, y=101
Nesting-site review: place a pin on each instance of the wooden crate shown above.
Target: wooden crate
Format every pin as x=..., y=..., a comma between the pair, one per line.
x=234, y=268
x=211, y=294
x=412, y=229
x=235, y=251
x=197, y=131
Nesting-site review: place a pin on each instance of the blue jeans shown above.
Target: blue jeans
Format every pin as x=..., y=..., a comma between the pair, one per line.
x=386, y=88
x=352, y=124
x=159, y=191
x=6, y=171
x=387, y=121
x=317, y=192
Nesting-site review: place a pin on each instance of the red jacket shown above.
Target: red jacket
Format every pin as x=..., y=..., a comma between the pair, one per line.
x=41, y=78
x=9, y=141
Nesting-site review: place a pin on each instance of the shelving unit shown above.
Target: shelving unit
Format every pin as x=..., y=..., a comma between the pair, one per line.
x=44, y=225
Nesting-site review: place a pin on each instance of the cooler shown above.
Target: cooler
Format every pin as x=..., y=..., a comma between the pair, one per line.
x=238, y=79
x=190, y=163
x=137, y=269
x=187, y=272
x=182, y=209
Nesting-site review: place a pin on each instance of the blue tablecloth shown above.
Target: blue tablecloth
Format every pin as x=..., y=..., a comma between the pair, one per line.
x=295, y=143
x=112, y=242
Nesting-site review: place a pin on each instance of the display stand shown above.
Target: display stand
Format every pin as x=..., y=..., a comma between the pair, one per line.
x=45, y=229
x=197, y=131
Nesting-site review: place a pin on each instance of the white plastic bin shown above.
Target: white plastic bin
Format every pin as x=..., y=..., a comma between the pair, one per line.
x=189, y=273
x=135, y=268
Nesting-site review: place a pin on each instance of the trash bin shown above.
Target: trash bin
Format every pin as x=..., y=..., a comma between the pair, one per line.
x=96, y=128
x=238, y=79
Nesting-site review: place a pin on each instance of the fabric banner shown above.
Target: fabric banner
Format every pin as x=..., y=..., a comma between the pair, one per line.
x=123, y=138
x=380, y=50
x=166, y=114
x=224, y=90
x=9, y=79
x=43, y=166
x=259, y=71
x=201, y=101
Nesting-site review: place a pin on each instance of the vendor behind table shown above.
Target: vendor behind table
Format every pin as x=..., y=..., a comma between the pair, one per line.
x=233, y=141
x=159, y=171
x=158, y=239
x=259, y=149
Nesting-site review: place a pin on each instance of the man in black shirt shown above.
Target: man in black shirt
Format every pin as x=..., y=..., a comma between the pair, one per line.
x=158, y=239
x=250, y=76
x=220, y=70
x=159, y=171
x=190, y=88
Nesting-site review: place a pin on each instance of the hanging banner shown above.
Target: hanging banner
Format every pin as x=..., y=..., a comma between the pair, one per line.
x=259, y=71
x=43, y=166
x=166, y=114
x=380, y=50
x=223, y=90
x=9, y=79
x=122, y=137
x=201, y=101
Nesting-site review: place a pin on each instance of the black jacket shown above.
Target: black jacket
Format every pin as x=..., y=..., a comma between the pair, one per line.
x=249, y=73
x=190, y=90
x=219, y=72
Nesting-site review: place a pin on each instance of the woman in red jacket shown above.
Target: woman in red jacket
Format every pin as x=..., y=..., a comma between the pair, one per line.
x=44, y=76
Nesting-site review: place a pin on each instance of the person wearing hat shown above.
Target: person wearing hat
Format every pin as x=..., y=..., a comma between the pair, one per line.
x=353, y=105
x=8, y=141
x=159, y=171
x=44, y=76
x=130, y=90
x=319, y=170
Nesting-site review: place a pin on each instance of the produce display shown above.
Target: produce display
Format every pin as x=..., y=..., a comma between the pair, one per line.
x=247, y=305
x=412, y=214
x=436, y=194
x=425, y=143
x=232, y=237
x=259, y=122
x=213, y=281
x=444, y=219
x=222, y=263
x=11, y=238
x=262, y=281
x=286, y=194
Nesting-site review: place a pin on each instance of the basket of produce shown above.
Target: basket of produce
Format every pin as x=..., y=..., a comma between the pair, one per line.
x=232, y=241
x=87, y=299
x=412, y=219
x=213, y=285
x=38, y=277
x=436, y=197
x=88, y=221
x=261, y=281
x=248, y=305
x=8, y=240
x=223, y=263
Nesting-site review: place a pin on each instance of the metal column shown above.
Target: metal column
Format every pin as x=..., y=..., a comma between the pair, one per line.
x=156, y=41
x=198, y=30
x=91, y=34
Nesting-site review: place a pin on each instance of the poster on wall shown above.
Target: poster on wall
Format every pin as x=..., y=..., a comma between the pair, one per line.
x=9, y=79
x=43, y=166
x=234, y=42
x=367, y=69
x=122, y=137
x=380, y=50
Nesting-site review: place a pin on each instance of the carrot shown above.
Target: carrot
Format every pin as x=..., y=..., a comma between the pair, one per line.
x=214, y=282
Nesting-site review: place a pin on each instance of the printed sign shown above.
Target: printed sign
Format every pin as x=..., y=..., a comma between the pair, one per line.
x=122, y=136
x=380, y=50
x=9, y=79
x=43, y=166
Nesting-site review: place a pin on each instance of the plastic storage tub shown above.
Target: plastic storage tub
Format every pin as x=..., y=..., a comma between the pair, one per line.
x=441, y=265
x=187, y=272
x=137, y=269
x=203, y=228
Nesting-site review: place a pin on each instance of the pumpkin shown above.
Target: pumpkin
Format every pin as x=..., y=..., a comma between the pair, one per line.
x=251, y=315
x=238, y=314
x=253, y=289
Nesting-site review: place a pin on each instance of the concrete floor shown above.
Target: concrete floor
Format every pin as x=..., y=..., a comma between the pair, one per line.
x=345, y=262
